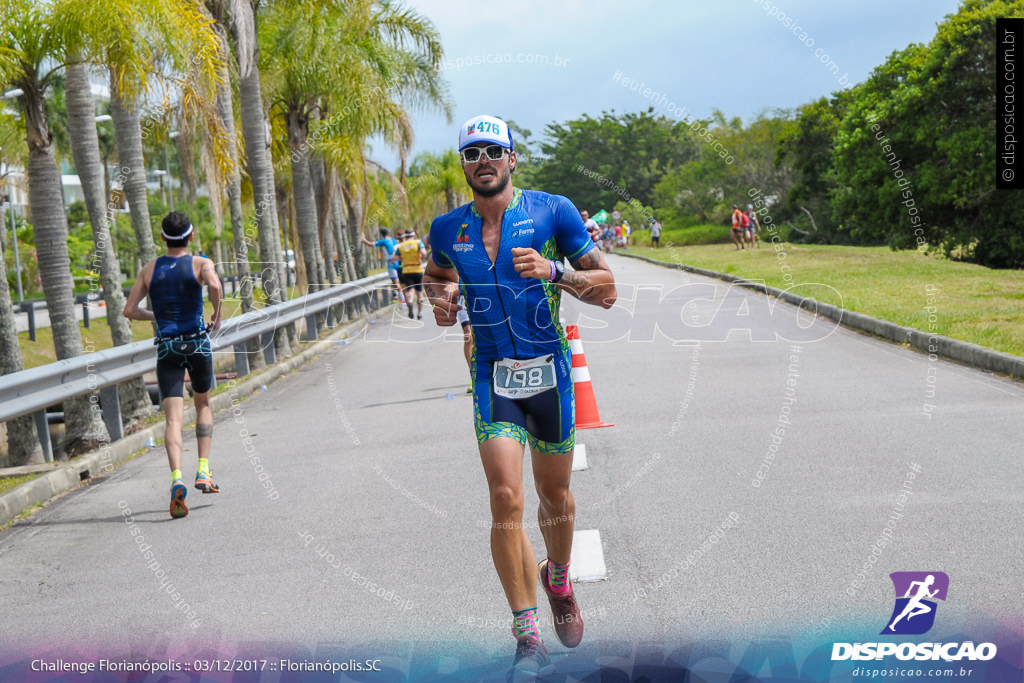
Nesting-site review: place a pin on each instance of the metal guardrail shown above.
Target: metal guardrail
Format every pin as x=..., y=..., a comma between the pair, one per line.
x=31, y=391
x=31, y=306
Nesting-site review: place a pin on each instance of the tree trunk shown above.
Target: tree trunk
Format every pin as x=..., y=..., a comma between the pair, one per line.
x=352, y=204
x=86, y=150
x=234, y=190
x=449, y=198
x=22, y=440
x=301, y=277
x=345, y=264
x=83, y=429
x=188, y=169
x=305, y=202
x=128, y=131
x=322, y=190
x=255, y=128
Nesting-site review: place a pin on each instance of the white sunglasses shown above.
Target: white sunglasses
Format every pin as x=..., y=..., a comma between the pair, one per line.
x=471, y=155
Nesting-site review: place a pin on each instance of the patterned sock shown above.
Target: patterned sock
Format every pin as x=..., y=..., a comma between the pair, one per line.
x=558, y=576
x=204, y=465
x=524, y=623
x=175, y=475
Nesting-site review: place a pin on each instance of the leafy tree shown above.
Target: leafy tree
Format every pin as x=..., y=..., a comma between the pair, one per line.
x=630, y=151
x=915, y=153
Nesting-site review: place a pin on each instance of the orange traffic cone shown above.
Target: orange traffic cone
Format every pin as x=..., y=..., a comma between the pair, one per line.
x=587, y=415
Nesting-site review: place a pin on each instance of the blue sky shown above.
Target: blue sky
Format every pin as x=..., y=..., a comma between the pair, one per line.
x=733, y=55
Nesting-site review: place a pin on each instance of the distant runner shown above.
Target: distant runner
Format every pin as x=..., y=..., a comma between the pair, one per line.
x=412, y=253
x=175, y=286
x=505, y=252
x=388, y=244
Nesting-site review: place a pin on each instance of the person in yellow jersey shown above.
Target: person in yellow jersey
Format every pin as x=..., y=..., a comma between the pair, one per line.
x=413, y=253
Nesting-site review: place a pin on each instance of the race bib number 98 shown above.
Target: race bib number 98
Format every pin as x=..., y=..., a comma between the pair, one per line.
x=523, y=378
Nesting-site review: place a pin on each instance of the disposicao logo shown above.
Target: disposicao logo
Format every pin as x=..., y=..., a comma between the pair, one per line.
x=914, y=614
x=916, y=593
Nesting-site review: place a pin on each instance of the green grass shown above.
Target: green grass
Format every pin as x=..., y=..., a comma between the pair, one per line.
x=972, y=303
x=8, y=483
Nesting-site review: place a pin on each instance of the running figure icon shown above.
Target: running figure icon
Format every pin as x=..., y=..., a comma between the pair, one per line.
x=915, y=606
x=917, y=595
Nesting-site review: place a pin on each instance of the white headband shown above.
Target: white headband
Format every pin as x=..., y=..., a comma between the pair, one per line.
x=177, y=237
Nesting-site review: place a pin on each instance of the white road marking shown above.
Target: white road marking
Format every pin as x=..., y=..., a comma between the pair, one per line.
x=587, y=557
x=579, y=458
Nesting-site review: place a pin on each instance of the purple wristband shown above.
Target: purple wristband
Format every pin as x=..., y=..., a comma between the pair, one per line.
x=552, y=278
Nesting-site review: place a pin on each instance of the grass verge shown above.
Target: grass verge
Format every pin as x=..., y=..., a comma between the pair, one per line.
x=930, y=293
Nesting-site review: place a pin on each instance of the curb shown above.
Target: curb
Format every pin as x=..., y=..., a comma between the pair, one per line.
x=953, y=349
x=67, y=475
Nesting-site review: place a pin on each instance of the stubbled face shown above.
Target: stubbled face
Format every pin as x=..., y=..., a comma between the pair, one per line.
x=487, y=177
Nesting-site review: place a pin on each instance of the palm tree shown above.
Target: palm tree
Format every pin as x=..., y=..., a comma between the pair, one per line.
x=434, y=175
x=86, y=151
x=22, y=440
x=166, y=40
x=30, y=32
x=359, y=59
x=239, y=17
x=233, y=182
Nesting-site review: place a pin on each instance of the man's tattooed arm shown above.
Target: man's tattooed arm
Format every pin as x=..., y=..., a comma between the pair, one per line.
x=591, y=281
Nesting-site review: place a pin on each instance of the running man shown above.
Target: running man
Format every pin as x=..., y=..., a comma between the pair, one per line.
x=915, y=607
x=504, y=251
x=389, y=244
x=412, y=253
x=175, y=286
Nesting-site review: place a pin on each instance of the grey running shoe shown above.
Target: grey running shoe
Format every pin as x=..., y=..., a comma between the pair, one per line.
x=531, y=657
x=565, y=613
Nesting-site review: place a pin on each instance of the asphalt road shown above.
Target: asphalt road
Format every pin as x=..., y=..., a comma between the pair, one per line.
x=362, y=528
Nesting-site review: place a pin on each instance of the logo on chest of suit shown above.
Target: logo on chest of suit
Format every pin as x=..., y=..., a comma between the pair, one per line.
x=462, y=239
x=520, y=232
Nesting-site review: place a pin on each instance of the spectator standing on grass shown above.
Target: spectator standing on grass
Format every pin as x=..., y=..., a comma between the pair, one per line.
x=627, y=233
x=591, y=225
x=752, y=224
x=737, y=234
x=655, y=233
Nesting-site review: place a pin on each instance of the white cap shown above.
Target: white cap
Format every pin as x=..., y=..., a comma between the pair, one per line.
x=485, y=129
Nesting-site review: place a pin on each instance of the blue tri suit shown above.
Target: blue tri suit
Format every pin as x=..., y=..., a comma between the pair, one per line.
x=514, y=317
x=182, y=342
x=389, y=244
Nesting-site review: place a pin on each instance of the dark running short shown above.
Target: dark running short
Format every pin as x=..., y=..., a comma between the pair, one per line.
x=414, y=280
x=547, y=420
x=174, y=357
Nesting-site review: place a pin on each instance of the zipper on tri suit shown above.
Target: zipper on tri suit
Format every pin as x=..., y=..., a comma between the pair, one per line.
x=497, y=287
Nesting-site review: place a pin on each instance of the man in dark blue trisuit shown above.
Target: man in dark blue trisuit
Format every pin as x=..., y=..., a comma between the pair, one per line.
x=175, y=286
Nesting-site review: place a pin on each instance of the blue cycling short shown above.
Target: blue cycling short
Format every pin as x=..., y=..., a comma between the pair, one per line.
x=547, y=420
x=175, y=356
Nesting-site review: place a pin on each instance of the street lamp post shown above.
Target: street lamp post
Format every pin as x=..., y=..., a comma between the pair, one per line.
x=167, y=165
x=14, y=239
x=9, y=95
x=160, y=173
x=14, y=231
